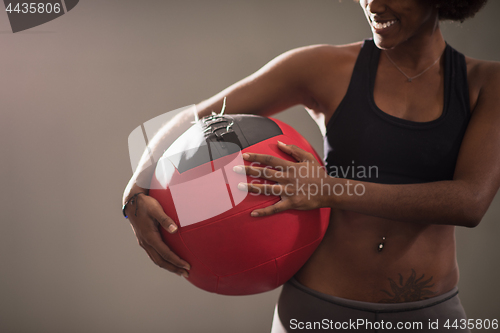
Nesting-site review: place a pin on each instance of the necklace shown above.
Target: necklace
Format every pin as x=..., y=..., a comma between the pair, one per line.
x=411, y=78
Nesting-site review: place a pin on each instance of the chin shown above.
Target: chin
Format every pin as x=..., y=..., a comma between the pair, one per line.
x=385, y=43
x=382, y=43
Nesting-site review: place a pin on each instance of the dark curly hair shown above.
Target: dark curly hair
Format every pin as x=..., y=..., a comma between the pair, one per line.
x=458, y=10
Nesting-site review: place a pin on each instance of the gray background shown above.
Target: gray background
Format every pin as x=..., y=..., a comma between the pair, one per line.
x=73, y=89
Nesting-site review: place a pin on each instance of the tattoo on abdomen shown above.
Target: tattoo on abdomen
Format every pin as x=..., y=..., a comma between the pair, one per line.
x=412, y=290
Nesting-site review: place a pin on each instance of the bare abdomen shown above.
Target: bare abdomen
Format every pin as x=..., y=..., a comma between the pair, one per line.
x=417, y=261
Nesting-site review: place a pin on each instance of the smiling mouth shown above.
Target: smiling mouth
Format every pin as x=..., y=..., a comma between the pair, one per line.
x=383, y=25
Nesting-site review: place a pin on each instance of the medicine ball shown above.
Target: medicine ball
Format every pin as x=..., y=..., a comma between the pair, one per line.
x=230, y=252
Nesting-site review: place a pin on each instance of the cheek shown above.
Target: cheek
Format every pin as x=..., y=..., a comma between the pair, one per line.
x=417, y=22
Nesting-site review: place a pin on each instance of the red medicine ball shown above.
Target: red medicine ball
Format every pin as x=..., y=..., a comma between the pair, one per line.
x=230, y=252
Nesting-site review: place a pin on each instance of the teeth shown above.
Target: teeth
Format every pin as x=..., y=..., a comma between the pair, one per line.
x=384, y=25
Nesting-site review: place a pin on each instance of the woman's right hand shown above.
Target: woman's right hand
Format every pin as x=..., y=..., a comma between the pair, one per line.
x=146, y=215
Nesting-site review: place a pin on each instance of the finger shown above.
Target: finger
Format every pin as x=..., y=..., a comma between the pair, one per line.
x=259, y=172
x=267, y=189
x=267, y=160
x=280, y=206
x=159, y=261
x=163, y=219
x=298, y=153
x=154, y=240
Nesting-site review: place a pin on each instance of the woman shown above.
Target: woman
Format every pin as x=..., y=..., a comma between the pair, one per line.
x=424, y=116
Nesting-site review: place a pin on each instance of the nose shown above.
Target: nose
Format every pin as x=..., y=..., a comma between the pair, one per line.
x=375, y=6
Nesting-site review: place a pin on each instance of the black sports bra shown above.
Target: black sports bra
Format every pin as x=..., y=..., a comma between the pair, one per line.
x=364, y=143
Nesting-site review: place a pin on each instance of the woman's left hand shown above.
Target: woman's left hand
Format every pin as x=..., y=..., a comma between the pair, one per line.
x=300, y=184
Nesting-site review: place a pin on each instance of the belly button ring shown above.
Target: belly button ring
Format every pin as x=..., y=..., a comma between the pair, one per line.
x=381, y=245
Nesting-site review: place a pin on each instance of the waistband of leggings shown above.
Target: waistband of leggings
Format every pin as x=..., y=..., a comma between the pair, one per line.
x=376, y=307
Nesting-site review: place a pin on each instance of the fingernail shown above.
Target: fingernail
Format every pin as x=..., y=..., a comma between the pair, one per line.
x=281, y=143
x=254, y=213
x=172, y=228
x=246, y=156
x=186, y=267
x=241, y=186
x=238, y=169
x=185, y=274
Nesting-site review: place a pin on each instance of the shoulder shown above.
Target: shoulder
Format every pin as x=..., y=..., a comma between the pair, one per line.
x=482, y=72
x=327, y=50
x=310, y=63
x=322, y=53
x=483, y=78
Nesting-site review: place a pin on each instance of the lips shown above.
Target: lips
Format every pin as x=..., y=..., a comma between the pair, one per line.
x=382, y=26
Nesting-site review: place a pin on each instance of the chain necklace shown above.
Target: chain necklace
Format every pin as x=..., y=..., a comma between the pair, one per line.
x=411, y=78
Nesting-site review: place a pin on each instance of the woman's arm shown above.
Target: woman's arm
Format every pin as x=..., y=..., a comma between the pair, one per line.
x=278, y=85
x=462, y=201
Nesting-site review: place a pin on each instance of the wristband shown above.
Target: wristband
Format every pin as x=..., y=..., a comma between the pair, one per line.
x=131, y=200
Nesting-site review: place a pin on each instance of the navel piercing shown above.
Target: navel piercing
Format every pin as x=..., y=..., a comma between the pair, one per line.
x=380, y=246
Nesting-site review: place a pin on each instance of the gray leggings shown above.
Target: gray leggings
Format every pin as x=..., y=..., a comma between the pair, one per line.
x=302, y=309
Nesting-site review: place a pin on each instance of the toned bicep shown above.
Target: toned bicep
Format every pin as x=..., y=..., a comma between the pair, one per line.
x=277, y=86
x=478, y=162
